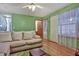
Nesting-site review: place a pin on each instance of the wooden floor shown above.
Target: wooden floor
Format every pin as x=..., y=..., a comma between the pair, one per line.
x=55, y=49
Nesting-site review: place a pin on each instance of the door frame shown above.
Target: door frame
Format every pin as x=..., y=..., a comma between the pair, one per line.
x=42, y=26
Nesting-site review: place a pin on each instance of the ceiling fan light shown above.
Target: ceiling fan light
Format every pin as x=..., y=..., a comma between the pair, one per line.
x=33, y=8
x=30, y=7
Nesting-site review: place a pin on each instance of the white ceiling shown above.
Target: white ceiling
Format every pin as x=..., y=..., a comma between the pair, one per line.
x=16, y=8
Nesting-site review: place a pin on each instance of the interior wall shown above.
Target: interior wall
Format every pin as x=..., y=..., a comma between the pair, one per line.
x=23, y=22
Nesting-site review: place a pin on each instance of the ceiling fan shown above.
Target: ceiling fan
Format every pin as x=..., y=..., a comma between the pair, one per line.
x=32, y=6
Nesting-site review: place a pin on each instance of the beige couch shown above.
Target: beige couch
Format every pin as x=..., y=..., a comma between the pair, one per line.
x=19, y=41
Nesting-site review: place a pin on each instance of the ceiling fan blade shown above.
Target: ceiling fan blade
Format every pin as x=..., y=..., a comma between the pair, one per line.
x=39, y=6
x=32, y=6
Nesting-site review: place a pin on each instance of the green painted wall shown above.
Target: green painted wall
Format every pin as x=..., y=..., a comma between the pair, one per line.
x=78, y=43
x=48, y=28
x=23, y=22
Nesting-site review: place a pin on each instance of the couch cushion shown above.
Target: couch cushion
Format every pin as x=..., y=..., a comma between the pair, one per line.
x=33, y=41
x=25, y=47
x=17, y=36
x=28, y=35
x=5, y=36
x=33, y=32
x=16, y=43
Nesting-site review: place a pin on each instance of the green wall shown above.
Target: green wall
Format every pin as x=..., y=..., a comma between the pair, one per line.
x=23, y=22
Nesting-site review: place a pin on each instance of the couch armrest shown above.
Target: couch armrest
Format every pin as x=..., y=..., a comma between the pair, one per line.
x=36, y=36
x=5, y=48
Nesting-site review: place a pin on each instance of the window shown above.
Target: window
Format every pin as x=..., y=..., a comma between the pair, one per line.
x=68, y=28
x=5, y=23
x=67, y=21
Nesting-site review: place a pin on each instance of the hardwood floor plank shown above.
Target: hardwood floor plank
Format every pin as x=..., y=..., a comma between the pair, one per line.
x=55, y=49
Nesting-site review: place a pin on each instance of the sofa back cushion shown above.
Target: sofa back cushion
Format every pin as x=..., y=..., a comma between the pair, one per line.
x=5, y=36
x=16, y=36
x=33, y=33
x=28, y=35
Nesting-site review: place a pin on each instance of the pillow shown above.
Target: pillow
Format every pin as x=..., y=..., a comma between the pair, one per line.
x=16, y=36
x=5, y=36
x=33, y=33
x=37, y=37
x=28, y=35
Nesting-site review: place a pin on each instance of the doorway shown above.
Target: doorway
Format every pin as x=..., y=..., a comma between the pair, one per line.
x=39, y=28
